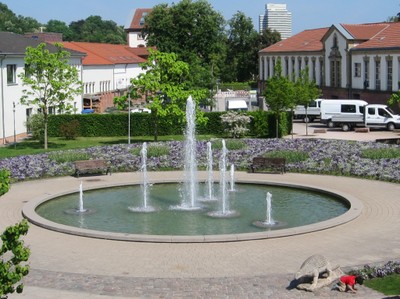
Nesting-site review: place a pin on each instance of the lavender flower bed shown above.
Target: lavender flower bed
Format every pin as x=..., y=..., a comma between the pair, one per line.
x=337, y=157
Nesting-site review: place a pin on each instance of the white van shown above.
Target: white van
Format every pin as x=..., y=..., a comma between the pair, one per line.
x=348, y=107
x=312, y=112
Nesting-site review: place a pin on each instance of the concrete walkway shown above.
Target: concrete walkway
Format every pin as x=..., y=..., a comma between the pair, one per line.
x=66, y=266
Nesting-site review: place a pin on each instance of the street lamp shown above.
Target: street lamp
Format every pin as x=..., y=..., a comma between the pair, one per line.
x=15, y=133
x=129, y=117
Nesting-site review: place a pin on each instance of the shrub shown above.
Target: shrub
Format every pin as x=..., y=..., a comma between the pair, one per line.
x=236, y=123
x=36, y=125
x=12, y=254
x=4, y=181
x=69, y=130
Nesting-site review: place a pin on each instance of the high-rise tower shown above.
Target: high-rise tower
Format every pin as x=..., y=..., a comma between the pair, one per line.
x=278, y=18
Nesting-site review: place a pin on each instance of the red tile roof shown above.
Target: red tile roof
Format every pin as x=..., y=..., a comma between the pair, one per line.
x=137, y=16
x=370, y=36
x=387, y=38
x=364, y=31
x=104, y=54
x=305, y=41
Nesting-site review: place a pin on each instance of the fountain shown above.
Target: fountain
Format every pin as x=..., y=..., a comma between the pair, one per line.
x=197, y=221
x=80, y=210
x=224, y=210
x=232, y=178
x=190, y=185
x=268, y=222
x=210, y=174
x=145, y=184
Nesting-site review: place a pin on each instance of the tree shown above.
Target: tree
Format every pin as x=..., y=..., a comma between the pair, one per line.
x=243, y=47
x=190, y=29
x=50, y=81
x=12, y=255
x=279, y=93
x=305, y=91
x=166, y=87
x=94, y=29
x=18, y=24
x=269, y=37
x=394, y=99
x=59, y=27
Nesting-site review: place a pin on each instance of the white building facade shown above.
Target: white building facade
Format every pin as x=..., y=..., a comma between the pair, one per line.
x=346, y=61
x=13, y=115
x=277, y=18
x=106, y=72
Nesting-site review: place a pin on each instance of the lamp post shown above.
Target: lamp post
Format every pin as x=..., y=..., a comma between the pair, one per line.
x=15, y=133
x=129, y=117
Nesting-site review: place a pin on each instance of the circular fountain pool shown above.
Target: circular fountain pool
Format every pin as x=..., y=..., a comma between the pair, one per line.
x=295, y=209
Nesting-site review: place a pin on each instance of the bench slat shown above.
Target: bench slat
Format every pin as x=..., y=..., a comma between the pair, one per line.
x=264, y=163
x=83, y=166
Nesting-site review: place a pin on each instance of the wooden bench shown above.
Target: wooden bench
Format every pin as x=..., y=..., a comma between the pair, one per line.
x=90, y=166
x=268, y=164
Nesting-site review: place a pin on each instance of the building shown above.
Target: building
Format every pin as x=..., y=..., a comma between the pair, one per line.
x=106, y=71
x=276, y=18
x=355, y=61
x=14, y=115
x=135, y=26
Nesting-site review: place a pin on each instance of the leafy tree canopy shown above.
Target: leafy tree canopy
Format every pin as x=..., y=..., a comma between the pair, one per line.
x=49, y=81
x=166, y=85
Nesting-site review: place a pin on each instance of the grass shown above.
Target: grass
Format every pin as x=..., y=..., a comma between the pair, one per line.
x=62, y=157
x=231, y=144
x=30, y=147
x=290, y=156
x=386, y=153
x=388, y=285
x=152, y=151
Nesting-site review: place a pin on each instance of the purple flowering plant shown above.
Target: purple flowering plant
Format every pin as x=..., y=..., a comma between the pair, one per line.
x=335, y=157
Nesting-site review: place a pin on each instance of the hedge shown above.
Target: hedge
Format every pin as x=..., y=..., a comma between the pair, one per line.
x=142, y=124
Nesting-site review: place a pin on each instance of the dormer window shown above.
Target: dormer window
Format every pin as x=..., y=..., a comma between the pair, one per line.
x=141, y=23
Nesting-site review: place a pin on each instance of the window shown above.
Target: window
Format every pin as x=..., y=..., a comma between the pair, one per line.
x=383, y=113
x=11, y=73
x=377, y=74
x=389, y=74
x=335, y=73
x=357, y=69
x=366, y=72
x=371, y=111
x=348, y=109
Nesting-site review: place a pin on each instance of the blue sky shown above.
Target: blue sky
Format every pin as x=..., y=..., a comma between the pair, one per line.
x=306, y=14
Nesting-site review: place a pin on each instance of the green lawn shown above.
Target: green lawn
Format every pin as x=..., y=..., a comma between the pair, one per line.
x=388, y=285
x=29, y=147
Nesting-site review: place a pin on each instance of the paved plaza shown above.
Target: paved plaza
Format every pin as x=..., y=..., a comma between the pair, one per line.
x=65, y=266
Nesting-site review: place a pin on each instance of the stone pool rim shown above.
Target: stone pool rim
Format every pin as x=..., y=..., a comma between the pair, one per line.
x=354, y=204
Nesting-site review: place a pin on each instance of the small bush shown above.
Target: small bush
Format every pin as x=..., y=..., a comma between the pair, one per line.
x=36, y=125
x=236, y=124
x=69, y=130
x=4, y=181
x=62, y=157
x=13, y=255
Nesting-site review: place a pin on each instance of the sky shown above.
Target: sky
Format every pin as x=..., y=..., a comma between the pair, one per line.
x=306, y=14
